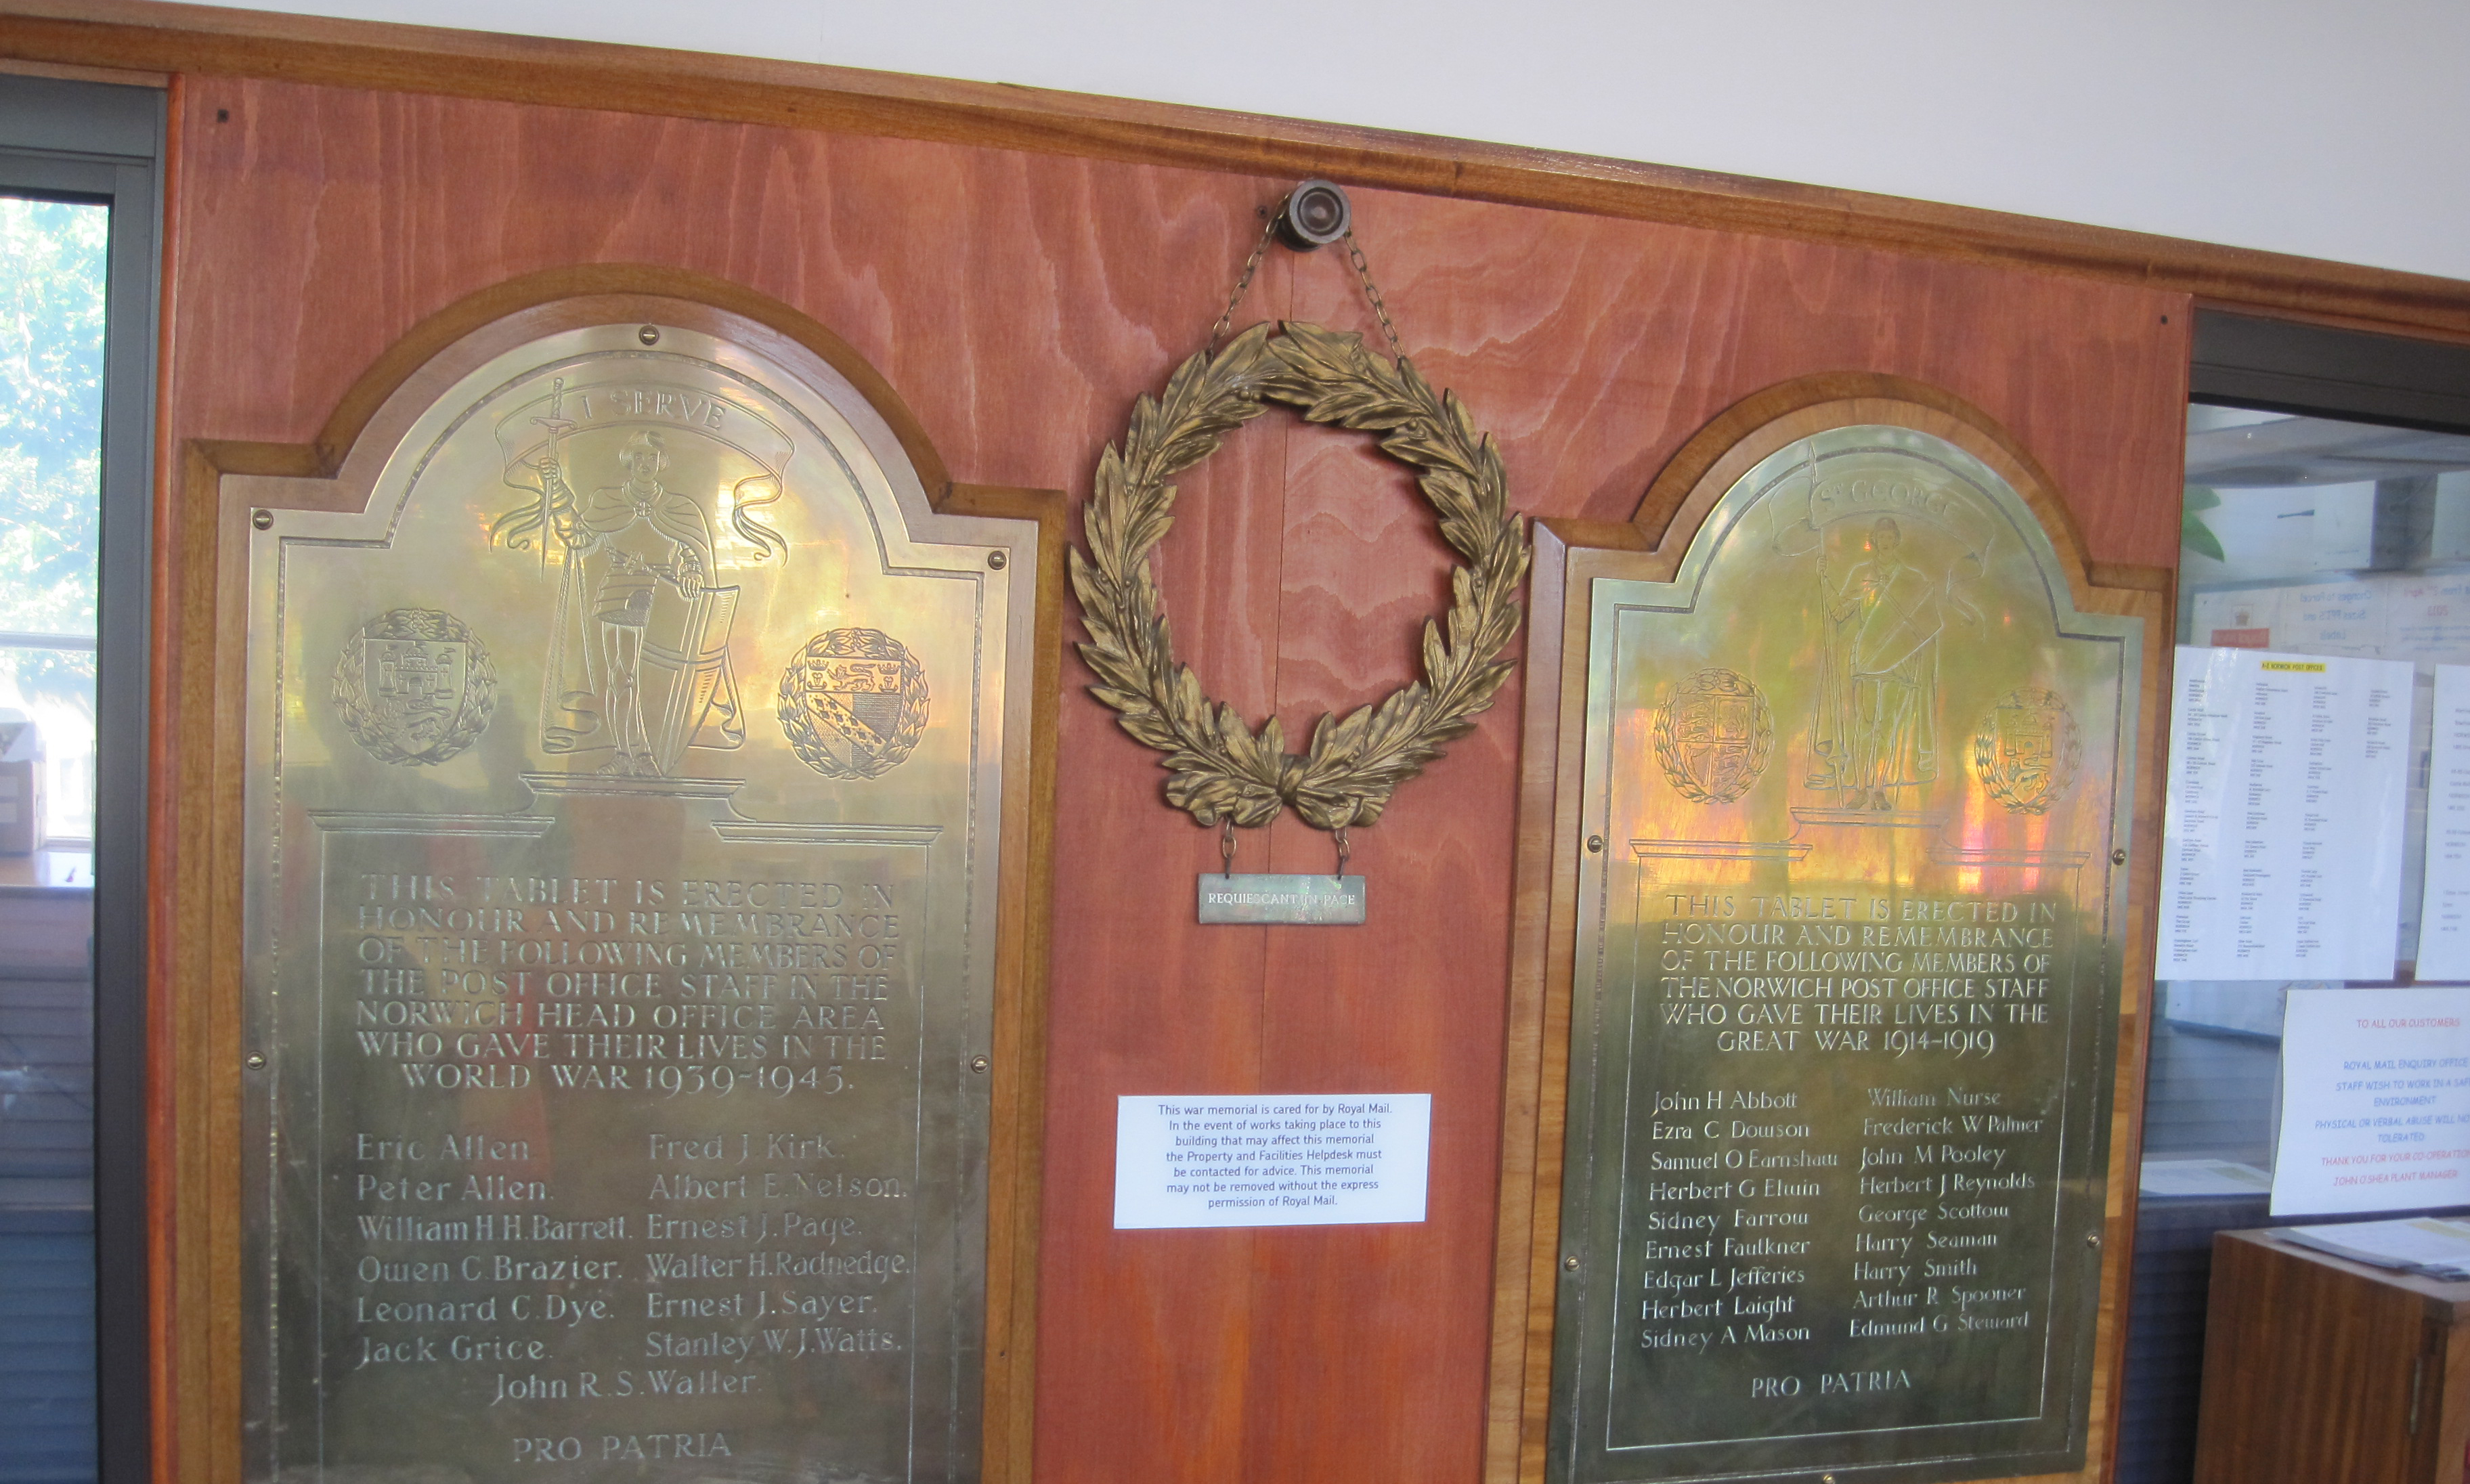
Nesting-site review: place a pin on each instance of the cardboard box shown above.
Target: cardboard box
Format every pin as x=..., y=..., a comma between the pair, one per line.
x=21, y=788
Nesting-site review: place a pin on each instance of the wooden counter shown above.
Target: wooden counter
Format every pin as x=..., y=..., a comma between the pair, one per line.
x=2320, y=1371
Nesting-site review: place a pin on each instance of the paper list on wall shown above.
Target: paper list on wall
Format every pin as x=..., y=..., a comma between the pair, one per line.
x=2444, y=911
x=2287, y=801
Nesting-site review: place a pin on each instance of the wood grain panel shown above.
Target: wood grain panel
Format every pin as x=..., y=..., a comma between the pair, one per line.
x=1593, y=348
x=1150, y=1332
x=1018, y=301
x=144, y=35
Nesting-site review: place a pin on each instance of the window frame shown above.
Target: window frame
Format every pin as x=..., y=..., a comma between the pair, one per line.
x=2281, y=365
x=104, y=143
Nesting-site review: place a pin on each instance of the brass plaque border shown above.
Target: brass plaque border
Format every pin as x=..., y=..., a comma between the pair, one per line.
x=200, y=1000
x=1650, y=547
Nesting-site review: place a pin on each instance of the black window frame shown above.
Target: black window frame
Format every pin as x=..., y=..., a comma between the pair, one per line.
x=104, y=143
x=2279, y=366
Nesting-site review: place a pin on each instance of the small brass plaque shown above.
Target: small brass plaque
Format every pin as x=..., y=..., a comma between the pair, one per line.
x=623, y=801
x=1844, y=1014
x=1330, y=901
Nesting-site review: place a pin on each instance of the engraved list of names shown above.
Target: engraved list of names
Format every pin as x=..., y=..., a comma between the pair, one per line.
x=619, y=1157
x=1845, y=1210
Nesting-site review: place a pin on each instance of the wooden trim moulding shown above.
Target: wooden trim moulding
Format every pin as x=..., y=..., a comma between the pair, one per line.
x=1569, y=554
x=148, y=35
x=196, y=957
x=18, y=67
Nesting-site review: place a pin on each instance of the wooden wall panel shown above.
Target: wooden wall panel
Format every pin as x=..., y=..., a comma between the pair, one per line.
x=1018, y=302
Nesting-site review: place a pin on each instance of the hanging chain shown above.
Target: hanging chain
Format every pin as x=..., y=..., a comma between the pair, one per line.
x=1362, y=276
x=1251, y=265
x=1372, y=292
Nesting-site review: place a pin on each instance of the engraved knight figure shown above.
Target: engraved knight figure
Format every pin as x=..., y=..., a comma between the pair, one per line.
x=1877, y=732
x=639, y=664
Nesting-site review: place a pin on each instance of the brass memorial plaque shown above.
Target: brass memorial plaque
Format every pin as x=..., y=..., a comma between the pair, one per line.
x=1845, y=1005
x=623, y=798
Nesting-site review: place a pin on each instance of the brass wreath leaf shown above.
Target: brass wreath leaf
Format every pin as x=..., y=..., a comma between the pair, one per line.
x=1221, y=767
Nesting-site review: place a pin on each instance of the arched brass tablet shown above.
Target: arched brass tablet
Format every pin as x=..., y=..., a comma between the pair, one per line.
x=628, y=748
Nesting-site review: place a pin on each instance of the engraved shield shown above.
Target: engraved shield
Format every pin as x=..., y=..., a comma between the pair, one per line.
x=1712, y=736
x=414, y=686
x=854, y=703
x=2026, y=750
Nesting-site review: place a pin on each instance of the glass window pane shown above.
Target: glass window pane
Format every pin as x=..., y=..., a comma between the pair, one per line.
x=52, y=283
x=2306, y=536
x=51, y=473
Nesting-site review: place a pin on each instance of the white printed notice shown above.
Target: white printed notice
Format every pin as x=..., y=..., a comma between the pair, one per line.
x=2444, y=912
x=2375, y=1102
x=1322, y=1159
x=2281, y=850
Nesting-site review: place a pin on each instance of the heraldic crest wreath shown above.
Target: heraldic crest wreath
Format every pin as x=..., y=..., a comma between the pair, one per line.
x=1222, y=770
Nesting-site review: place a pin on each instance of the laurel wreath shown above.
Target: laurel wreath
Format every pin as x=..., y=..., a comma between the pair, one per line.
x=473, y=708
x=805, y=679
x=1221, y=769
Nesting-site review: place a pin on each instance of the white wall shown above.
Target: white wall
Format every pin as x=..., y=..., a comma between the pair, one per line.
x=2335, y=128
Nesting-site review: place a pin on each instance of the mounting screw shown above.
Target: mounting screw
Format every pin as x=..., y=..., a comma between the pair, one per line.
x=978, y=1063
x=2092, y=1238
x=998, y=560
x=263, y=519
x=1827, y=1478
x=1314, y=215
x=257, y=1062
x=1595, y=845
x=1570, y=1263
x=2119, y=857
x=649, y=335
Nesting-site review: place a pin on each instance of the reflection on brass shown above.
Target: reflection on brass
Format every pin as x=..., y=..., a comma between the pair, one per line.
x=619, y=1117
x=1222, y=769
x=1845, y=1011
x=638, y=666
x=414, y=686
x=1874, y=732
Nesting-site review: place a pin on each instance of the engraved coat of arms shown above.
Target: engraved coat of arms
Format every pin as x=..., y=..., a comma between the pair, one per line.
x=1712, y=735
x=854, y=703
x=2026, y=750
x=414, y=686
